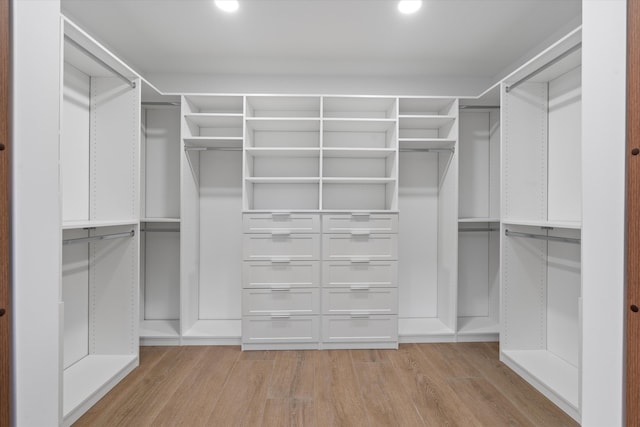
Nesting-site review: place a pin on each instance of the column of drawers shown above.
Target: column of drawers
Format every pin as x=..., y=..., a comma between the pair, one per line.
x=359, y=281
x=281, y=281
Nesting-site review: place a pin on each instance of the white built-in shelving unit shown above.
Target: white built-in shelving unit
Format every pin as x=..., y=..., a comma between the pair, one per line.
x=541, y=212
x=211, y=220
x=479, y=223
x=160, y=219
x=428, y=206
x=99, y=175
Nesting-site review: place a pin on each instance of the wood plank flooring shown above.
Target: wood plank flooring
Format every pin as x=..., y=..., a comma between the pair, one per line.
x=417, y=385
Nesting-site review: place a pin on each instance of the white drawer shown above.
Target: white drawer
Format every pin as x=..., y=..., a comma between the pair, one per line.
x=345, y=223
x=268, y=302
x=280, y=274
x=360, y=272
x=281, y=247
x=360, y=299
x=360, y=247
x=281, y=221
x=280, y=329
x=360, y=328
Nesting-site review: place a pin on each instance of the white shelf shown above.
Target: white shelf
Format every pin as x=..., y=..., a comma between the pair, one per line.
x=424, y=106
x=535, y=223
x=358, y=125
x=558, y=378
x=284, y=124
x=426, y=143
x=89, y=379
x=358, y=152
x=283, y=152
x=283, y=180
x=169, y=220
x=357, y=180
x=216, y=104
x=213, y=142
x=218, y=120
x=476, y=220
x=159, y=329
x=71, y=225
x=425, y=121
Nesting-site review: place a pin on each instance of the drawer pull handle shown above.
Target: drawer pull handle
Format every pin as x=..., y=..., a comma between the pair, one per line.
x=360, y=215
x=364, y=233
x=359, y=316
x=280, y=260
x=281, y=316
x=280, y=233
x=360, y=260
x=359, y=288
x=280, y=214
x=280, y=289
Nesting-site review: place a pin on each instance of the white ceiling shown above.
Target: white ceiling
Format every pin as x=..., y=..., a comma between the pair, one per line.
x=452, y=38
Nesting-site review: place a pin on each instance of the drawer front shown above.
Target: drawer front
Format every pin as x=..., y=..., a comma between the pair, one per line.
x=376, y=328
x=360, y=300
x=281, y=247
x=360, y=247
x=268, y=302
x=346, y=223
x=281, y=221
x=369, y=273
x=273, y=329
x=280, y=274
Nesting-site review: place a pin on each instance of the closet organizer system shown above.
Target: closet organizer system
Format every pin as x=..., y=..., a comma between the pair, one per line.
x=318, y=221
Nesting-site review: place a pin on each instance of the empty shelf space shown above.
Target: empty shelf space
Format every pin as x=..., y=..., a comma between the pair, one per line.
x=429, y=329
x=358, y=125
x=217, y=120
x=214, y=104
x=160, y=329
x=555, y=374
x=358, y=152
x=92, y=377
x=426, y=143
x=283, y=180
x=223, y=329
x=425, y=106
x=357, y=180
x=477, y=325
x=71, y=225
x=283, y=106
x=425, y=121
x=273, y=124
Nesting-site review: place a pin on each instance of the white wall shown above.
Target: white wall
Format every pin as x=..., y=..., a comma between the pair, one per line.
x=603, y=157
x=36, y=211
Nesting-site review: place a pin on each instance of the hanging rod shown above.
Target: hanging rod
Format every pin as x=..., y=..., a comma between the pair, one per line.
x=100, y=61
x=162, y=230
x=96, y=238
x=545, y=66
x=212, y=149
x=541, y=237
x=161, y=103
x=479, y=107
x=474, y=230
x=429, y=150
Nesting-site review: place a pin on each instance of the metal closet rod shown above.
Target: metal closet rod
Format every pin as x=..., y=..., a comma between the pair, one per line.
x=544, y=67
x=100, y=61
x=212, y=149
x=97, y=238
x=541, y=237
x=474, y=230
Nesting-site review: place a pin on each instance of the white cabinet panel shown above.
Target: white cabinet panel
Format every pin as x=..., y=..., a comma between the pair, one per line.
x=360, y=299
x=371, y=273
x=283, y=246
x=280, y=329
x=360, y=246
x=345, y=223
x=269, y=222
x=280, y=301
x=359, y=328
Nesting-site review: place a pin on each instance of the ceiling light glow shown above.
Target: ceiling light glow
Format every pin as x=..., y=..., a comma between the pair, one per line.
x=409, y=6
x=227, y=5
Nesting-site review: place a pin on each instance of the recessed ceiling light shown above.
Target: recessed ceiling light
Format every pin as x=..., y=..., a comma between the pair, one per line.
x=409, y=6
x=227, y=5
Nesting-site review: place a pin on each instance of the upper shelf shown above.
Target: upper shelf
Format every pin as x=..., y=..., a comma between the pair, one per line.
x=426, y=106
x=283, y=151
x=213, y=142
x=425, y=121
x=288, y=124
x=215, y=120
x=427, y=143
x=217, y=104
x=358, y=125
x=358, y=152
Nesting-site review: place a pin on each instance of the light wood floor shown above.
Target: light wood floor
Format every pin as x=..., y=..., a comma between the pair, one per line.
x=417, y=385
